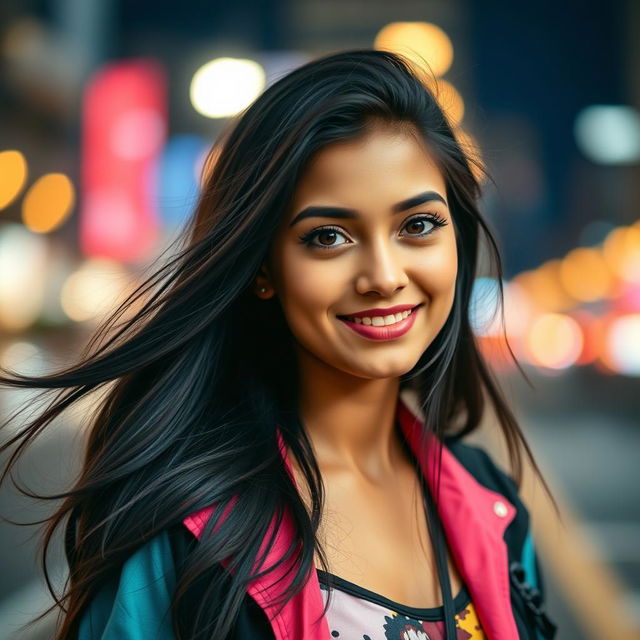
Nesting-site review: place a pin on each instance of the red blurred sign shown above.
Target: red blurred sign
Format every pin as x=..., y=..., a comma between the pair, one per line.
x=124, y=130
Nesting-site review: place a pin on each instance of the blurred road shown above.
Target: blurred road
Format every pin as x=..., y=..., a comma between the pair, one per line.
x=45, y=468
x=584, y=430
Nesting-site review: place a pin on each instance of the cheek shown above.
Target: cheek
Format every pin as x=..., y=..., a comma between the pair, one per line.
x=310, y=286
x=438, y=268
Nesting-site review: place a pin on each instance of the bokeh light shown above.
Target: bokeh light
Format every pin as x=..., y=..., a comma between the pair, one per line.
x=420, y=42
x=518, y=309
x=623, y=344
x=554, y=341
x=225, y=86
x=124, y=124
x=585, y=275
x=592, y=333
x=13, y=176
x=621, y=251
x=544, y=287
x=137, y=133
x=178, y=185
x=627, y=299
x=484, y=307
x=24, y=256
x=94, y=289
x=609, y=134
x=48, y=202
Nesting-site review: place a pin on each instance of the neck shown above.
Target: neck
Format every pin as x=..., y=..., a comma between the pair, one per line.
x=351, y=421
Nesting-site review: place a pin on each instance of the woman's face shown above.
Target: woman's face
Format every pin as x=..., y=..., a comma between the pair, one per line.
x=348, y=244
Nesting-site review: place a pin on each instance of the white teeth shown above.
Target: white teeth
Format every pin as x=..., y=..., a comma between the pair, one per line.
x=382, y=321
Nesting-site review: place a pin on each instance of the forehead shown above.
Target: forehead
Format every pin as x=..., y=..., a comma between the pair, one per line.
x=383, y=164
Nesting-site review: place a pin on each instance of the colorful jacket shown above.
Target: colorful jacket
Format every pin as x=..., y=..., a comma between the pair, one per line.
x=487, y=528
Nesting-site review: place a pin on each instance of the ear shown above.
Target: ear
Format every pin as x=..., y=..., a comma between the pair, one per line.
x=263, y=286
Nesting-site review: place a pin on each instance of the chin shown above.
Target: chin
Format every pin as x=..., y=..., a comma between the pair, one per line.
x=378, y=370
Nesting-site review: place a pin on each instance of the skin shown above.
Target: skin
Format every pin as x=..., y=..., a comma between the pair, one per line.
x=349, y=384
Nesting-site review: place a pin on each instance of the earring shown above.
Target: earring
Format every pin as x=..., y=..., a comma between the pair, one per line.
x=263, y=289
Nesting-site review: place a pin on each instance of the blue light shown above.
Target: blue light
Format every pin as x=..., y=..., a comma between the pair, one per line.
x=178, y=188
x=484, y=307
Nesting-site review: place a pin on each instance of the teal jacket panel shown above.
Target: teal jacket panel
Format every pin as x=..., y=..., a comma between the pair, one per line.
x=136, y=605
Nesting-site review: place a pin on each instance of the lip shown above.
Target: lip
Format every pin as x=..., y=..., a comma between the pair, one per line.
x=390, y=332
x=370, y=313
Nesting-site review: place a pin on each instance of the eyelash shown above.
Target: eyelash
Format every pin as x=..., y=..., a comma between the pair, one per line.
x=434, y=218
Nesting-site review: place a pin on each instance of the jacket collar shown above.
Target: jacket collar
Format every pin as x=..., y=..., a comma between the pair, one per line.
x=474, y=519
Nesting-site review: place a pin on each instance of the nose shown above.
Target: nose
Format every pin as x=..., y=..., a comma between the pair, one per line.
x=382, y=270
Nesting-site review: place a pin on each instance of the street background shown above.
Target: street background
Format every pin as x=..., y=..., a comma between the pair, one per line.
x=107, y=109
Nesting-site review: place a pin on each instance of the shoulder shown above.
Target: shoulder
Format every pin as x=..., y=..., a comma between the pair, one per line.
x=525, y=570
x=479, y=463
x=138, y=598
x=518, y=535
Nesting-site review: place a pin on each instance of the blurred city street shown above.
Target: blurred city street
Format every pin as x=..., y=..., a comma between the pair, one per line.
x=110, y=117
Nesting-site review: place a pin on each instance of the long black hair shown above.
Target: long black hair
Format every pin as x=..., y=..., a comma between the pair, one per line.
x=197, y=372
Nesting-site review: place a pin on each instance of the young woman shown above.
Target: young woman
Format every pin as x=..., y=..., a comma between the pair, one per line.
x=280, y=454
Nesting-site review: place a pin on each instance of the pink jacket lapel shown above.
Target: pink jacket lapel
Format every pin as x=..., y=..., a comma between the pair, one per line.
x=474, y=519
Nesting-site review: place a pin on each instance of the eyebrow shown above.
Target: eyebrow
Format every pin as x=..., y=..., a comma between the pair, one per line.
x=342, y=212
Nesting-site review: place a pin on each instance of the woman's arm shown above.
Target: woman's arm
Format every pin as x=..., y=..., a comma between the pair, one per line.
x=135, y=605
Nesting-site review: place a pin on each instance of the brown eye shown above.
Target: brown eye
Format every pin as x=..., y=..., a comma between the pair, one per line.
x=312, y=239
x=326, y=234
x=416, y=225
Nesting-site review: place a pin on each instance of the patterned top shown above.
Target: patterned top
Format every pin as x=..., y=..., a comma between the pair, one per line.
x=355, y=613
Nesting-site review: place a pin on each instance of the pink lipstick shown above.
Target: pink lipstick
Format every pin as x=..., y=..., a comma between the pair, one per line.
x=386, y=332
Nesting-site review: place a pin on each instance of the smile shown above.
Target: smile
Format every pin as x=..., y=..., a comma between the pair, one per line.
x=382, y=327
